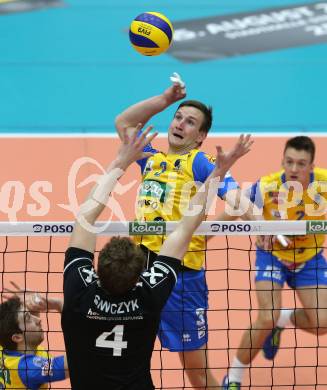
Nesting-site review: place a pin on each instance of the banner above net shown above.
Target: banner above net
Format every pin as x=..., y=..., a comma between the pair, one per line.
x=209, y=228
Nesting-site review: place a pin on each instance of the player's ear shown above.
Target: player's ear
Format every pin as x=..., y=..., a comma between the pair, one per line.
x=201, y=137
x=17, y=338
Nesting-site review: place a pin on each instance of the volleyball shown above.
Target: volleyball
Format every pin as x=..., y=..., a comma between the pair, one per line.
x=151, y=33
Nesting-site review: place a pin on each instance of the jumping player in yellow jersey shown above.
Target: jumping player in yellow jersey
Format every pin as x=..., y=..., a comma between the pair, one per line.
x=167, y=186
x=110, y=318
x=24, y=363
x=297, y=192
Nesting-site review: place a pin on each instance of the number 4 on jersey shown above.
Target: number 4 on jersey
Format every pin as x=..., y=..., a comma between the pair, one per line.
x=117, y=344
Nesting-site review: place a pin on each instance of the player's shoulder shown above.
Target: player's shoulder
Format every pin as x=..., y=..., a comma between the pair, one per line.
x=42, y=352
x=200, y=155
x=74, y=255
x=163, y=268
x=320, y=174
x=273, y=179
x=202, y=163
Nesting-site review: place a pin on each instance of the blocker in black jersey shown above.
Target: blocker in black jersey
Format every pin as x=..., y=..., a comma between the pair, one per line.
x=109, y=340
x=110, y=332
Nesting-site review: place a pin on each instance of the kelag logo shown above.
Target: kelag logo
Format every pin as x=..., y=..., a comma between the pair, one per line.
x=147, y=228
x=236, y=227
x=44, y=228
x=317, y=227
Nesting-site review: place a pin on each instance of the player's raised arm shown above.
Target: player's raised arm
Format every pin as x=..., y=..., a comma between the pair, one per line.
x=177, y=242
x=84, y=236
x=144, y=110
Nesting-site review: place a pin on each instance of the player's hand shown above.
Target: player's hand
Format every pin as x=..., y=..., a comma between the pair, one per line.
x=33, y=301
x=175, y=78
x=267, y=242
x=175, y=92
x=225, y=160
x=132, y=146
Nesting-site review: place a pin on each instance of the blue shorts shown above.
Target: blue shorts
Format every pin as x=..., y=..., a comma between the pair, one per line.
x=183, y=325
x=311, y=273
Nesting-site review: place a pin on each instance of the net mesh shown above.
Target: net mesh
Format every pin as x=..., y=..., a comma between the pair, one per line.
x=35, y=262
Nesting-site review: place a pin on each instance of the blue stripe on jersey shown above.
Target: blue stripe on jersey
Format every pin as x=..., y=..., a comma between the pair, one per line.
x=140, y=41
x=158, y=22
x=202, y=168
x=254, y=194
x=35, y=370
x=312, y=177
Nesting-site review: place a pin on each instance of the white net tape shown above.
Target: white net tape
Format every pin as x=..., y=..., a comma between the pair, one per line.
x=209, y=228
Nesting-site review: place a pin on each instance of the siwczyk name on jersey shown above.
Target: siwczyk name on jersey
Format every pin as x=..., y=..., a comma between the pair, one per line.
x=115, y=308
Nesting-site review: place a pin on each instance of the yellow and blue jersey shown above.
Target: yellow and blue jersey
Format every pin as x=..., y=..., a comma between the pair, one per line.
x=168, y=184
x=29, y=371
x=272, y=194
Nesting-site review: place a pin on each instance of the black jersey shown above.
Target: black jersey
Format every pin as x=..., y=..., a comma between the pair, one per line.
x=109, y=340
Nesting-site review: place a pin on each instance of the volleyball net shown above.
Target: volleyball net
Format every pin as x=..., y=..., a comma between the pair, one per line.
x=32, y=255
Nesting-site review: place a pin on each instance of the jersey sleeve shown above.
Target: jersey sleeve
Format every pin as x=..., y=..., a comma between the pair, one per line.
x=254, y=194
x=203, y=165
x=78, y=272
x=147, y=148
x=161, y=278
x=35, y=370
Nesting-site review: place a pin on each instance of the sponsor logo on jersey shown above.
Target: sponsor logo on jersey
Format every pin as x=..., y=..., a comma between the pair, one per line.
x=154, y=189
x=155, y=275
x=177, y=165
x=146, y=228
x=148, y=167
x=46, y=369
x=87, y=274
x=187, y=338
x=154, y=204
x=38, y=361
x=272, y=272
x=211, y=159
x=201, y=322
x=4, y=375
x=317, y=227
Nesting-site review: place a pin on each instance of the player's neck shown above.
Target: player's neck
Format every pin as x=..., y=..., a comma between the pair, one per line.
x=305, y=184
x=26, y=348
x=180, y=149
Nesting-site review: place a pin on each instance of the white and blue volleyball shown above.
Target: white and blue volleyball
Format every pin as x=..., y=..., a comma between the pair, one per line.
x=151, y=33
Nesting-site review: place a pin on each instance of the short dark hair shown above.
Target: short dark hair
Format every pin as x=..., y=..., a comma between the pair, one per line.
x=206, y=110
x=9, y=322
x=120, y=264
x=302, y=143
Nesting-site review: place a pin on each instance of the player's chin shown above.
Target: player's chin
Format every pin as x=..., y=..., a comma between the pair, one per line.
x=41, y=337
x=176, y=141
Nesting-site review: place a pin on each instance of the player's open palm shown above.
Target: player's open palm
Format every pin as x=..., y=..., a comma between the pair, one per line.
x=226, y=159
x=133, y=145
